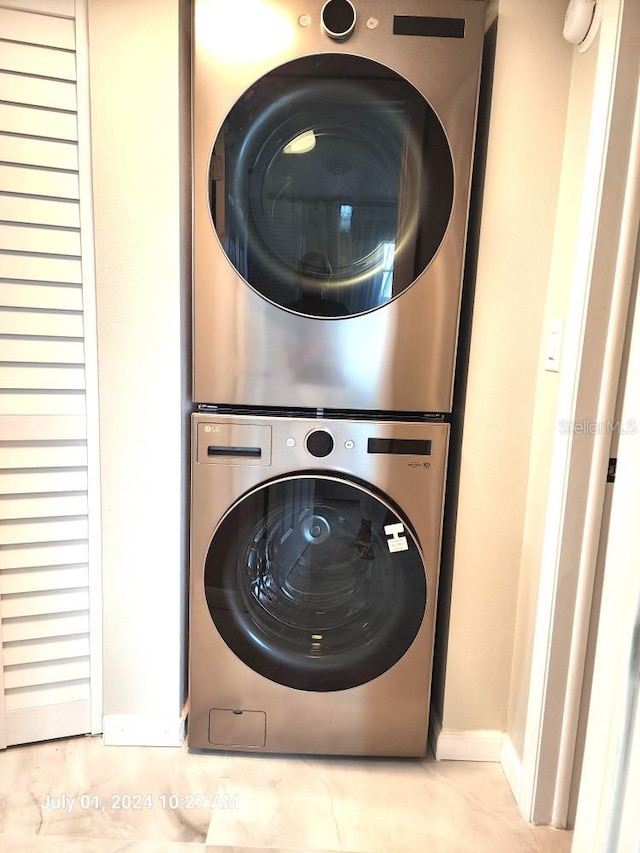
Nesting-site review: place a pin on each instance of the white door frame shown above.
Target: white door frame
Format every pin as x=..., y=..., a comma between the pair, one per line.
x=595, y=332
x=91, y=363
x=608, y=818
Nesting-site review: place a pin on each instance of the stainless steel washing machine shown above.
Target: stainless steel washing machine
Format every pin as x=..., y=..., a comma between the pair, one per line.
x=333, y=146
x=314, y=570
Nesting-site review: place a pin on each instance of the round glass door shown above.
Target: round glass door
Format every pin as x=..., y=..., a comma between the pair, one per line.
x=331, y=185
x=315, y=583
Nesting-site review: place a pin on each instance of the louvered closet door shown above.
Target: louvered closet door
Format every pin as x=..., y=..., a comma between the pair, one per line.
x=44, y=469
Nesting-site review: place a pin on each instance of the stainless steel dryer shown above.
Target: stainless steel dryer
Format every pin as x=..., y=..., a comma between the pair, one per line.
x=314, y=570
x=333, y=147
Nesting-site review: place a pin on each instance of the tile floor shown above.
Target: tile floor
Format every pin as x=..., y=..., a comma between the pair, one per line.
x=78, y=796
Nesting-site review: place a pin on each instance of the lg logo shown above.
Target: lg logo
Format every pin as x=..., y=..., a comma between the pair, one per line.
x=396, y=541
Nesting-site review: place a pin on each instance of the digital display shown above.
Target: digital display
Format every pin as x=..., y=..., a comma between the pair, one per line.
x=414, y=25
x=399, y=446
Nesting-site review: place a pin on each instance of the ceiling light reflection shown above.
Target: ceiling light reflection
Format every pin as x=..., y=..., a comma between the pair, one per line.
x=301, y=144
x=243, y=31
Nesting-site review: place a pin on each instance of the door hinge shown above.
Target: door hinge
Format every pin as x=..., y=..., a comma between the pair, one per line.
x=611, y=473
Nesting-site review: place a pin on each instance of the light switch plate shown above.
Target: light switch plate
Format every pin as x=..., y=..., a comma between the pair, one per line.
x=554, y=345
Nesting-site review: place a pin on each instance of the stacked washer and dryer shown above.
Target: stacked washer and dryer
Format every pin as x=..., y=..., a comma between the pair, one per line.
x=332, y=175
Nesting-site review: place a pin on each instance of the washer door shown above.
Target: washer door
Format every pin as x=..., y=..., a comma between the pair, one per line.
x=315, y=583
x=331, y=185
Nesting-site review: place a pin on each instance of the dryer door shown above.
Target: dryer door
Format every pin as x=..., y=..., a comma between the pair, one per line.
x=331, y=185
x=315, y=583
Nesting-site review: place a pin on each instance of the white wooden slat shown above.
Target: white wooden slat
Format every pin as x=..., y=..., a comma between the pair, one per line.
x=59, y=530
x=27, y=151
x=44, y=555
x=43, y=603
x=37, y=29
x=34, y=455
x=40, y=580
x=42, y=507
x=38, y=91
x=32, y=121
x=39, y=211
x=52, y=403
x=48, y=649
x=40, y=268
x=44, y=376
x=54, y=428
x=36, y=351
x=35, y=59
x=18, y=700
x=34, y=482
x=41, y=323
x=27, y=180
x=14, y=294
x=34, y=238
x=45, y=672
x=65, y=8
x=41, y=627
x=49, y=506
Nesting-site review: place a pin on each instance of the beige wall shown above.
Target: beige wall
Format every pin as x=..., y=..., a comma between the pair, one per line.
x=138, y=146
x=545, y=423
x=528, y=117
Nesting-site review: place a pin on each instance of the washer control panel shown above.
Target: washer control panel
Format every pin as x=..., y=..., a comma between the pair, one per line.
x=292, y=443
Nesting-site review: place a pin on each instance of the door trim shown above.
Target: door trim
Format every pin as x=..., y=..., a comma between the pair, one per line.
x=91, y=363
x=605, y=818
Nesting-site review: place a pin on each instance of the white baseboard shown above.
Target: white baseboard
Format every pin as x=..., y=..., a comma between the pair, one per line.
x=474, y=745
x=511, y=766
x=142, y=730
